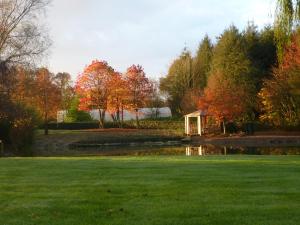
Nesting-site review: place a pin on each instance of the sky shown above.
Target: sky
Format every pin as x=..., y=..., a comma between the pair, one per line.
x=151, y=33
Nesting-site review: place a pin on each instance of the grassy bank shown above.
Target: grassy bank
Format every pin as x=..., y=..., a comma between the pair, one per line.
x=59, y=140
x=150, y=190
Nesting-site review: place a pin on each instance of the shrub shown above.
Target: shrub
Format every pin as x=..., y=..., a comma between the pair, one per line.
x=75, y=115
x=23, y=125
x=17, y=125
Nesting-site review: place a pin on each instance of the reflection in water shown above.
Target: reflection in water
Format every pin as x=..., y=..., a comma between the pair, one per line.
x=225, y=150
x=190, y=151
x=204, y=150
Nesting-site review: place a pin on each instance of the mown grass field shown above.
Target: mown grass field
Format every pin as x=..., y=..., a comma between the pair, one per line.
x=241, y=190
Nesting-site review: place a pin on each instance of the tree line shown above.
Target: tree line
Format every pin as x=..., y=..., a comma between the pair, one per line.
x=102, y=88
x=23, y=42
x=239, y=78
x=241, y=57
x=31, y=95
x=248, y=75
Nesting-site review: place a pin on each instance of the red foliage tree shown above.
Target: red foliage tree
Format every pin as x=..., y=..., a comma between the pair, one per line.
x=223, y=100
x=280, y=95
x=93, y=88
x=118, y=97
x=139, y=89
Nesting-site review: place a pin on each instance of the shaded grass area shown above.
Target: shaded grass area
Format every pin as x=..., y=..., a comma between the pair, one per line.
x=150, y=190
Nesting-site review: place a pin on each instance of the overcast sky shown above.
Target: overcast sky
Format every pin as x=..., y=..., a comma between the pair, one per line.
x=146, y=32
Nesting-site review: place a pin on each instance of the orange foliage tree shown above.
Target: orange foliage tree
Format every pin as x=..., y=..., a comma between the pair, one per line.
x=139, y=89
x=25, y=87
x=224, y=100
x=117, y=98
x=280, y=95
x=93, y=88
x=47, y=95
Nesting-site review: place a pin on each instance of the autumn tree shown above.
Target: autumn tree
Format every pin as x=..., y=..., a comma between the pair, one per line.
x=25, y=86
x=139, y=88
x=93, y=88
x=224, y=100
x=118, y=97
x=23, y=41
x=47, y=96
x=280, y=95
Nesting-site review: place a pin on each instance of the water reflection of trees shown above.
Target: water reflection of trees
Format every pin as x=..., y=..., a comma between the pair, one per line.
x=225, y=150
x=172, y=151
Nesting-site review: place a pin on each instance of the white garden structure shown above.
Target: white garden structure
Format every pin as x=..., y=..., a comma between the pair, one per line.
x=201, y=122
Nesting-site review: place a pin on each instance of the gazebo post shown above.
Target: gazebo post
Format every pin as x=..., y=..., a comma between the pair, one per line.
x=185, y=125
x=200, y=150
x=199, y=125
x=188, y=132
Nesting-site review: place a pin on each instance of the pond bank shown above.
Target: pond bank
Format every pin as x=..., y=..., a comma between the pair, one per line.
x=100, y=138
x=249, y=141
x=62, y=140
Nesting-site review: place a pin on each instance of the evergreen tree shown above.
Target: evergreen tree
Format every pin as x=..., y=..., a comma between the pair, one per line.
x=231, y=73
x=202, y=61
x=178, y=81
x=266, y=57
x=230, y=57
x=261, y=51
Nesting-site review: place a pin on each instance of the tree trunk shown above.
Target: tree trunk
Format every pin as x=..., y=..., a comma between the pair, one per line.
x=224, y=127
x=137, y=118
x=156, y=113
x=118, y=118
x=122, y=115
x=46, y=129
x=114, y=117
x=101, y=118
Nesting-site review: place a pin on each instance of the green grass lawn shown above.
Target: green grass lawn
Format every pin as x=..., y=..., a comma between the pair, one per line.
x=252, y=190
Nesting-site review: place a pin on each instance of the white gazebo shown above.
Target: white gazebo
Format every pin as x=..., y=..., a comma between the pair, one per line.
x=201, y=122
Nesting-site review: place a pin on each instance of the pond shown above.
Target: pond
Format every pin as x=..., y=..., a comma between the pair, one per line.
x=189, y=151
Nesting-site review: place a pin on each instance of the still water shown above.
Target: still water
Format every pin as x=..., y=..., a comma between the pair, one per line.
x=188, y=151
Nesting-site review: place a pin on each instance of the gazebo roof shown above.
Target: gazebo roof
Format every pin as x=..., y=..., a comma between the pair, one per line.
x=197, y=113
